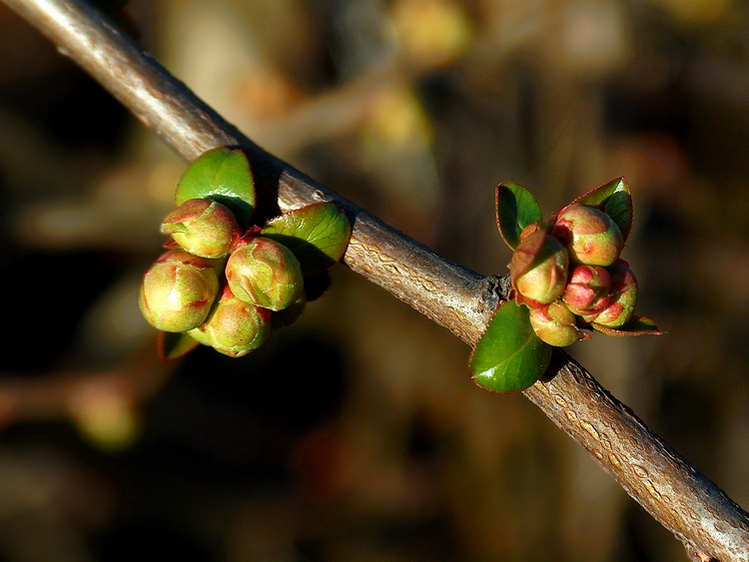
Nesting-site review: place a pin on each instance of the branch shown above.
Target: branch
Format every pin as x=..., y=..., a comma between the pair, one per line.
x=693, y=508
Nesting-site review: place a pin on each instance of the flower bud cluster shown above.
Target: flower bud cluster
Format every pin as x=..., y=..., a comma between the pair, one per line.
x=217, y=284
x=569, y=274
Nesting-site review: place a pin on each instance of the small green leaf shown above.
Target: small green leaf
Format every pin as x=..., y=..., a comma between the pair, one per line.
x=616, y=199
x=516, y=209
x=222, y=175
x=173, y=346
x=316, y=234
x=637, y=326
x=509, y=357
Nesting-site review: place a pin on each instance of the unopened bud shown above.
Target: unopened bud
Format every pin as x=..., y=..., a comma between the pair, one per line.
x=622, y=299
x=555, y=324
x=234, y=327
x=202, y=227
x=178, y=291
x=539, y=269
x=589, y=234
x=587, y=289
x=265, y=273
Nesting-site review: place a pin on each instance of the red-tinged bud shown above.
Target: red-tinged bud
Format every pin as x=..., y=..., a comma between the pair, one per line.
x=202, y=227
x=587, y=289
x=589, y=234
x=622, y=297
x=265, y=273
x=538, y=269
x=555, y=324
x=234, y=327
x=178, y=291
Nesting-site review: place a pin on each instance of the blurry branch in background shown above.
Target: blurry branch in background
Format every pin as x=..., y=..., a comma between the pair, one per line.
x=709, y=524
x=102, y=404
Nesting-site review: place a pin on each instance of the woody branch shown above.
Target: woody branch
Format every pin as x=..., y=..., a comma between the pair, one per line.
x=694, y=509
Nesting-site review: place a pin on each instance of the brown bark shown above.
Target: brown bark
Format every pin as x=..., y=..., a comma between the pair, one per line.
x=708, y=523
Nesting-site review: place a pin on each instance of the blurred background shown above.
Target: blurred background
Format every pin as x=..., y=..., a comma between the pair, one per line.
x=356, y=434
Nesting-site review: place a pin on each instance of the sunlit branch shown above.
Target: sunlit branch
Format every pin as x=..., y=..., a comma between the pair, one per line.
x=663, y=482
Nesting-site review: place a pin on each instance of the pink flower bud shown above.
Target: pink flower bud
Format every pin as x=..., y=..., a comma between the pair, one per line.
x=178, y=291
x=589, y=234
x=202, y=227
x=538, y=269
x=622, y=297
x=555, y=324
x=234, y=327
x=587, y=289
x=265, y=273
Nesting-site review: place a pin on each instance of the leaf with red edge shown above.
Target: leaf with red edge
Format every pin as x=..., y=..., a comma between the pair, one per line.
x=173, y=346
x=637, y=326
x=616, y=199
x=516, y=209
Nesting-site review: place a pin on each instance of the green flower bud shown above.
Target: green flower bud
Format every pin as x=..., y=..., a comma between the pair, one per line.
x=234, y=327
x=265, y=273
x=587, y=289
x=202, y=227
x=538, y=269
x=555, y=324
x=178, y=291
x=622, y=297
x=589, y=234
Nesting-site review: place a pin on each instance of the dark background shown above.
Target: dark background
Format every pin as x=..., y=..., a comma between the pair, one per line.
x=356, y=434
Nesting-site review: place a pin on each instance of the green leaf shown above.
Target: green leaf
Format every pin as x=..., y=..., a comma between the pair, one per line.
x=173, y=346
x=616, y=199
x=637, y=326
x=516, y=209
x=222, y=175
x=316, y=234
x=509, y=357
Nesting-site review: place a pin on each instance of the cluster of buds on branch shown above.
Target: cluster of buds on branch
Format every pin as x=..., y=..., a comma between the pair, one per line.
x=567, y=277
x=224, y=282
x=569, y=274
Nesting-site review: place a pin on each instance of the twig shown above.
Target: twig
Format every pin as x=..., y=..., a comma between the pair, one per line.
x=700, y=514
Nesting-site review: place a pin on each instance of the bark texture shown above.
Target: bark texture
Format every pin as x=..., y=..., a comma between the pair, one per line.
x=710, y=525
